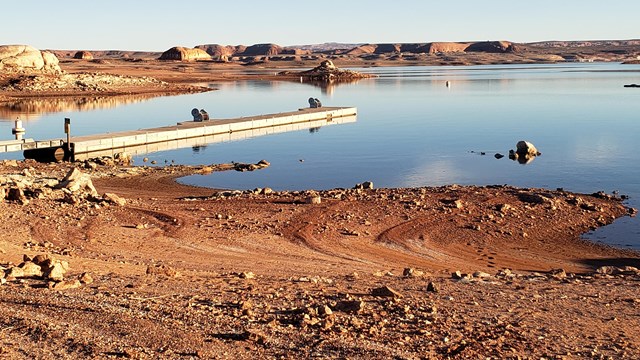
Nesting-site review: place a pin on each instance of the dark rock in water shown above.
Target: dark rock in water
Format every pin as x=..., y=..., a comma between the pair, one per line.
x=526, y=148
x=525, y=152
x=498, y=156
x=632, y=86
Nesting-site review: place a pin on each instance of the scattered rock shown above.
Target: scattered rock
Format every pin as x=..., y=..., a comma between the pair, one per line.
x=453, y=203
x=367, y=185
x=313, y=199
x=432, y=287
x=123, y=158
x=411, y=272
x=504, y=208
x=114, y=199
x=55, y=269
x=76, y=181
x=30, y=269
x=324, y=310
x=558, y=273
x=254, y=336
x=481, y=275
x=385, y=291
x=86, y=279
x=350, y=306
x=161, y=269
x=246, y=275
x=65, y=285
x=17, y=194
x=607, y=270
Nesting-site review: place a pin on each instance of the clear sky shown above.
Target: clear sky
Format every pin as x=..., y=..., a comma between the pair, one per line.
x=156, y=25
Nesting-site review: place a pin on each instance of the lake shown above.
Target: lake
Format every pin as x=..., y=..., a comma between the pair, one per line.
x=412, y=130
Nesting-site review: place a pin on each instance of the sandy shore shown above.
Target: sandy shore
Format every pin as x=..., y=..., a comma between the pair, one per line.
x=185, y=272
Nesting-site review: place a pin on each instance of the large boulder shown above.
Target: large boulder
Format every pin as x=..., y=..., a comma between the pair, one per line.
x=83, y=55
x=76, y=181
x=184, y=54
x=27, y=59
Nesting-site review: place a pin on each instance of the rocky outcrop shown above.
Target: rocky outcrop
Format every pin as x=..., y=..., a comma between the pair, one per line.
x=27, y=59
x=436, y=47
x=326, y=71
x=493, y=47
x=445, y=47
x=83, y=55
x=363, y=49
x=262, y=50
x=184, y=54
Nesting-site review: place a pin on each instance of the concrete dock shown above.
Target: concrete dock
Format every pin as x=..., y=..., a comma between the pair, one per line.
x=192, y=133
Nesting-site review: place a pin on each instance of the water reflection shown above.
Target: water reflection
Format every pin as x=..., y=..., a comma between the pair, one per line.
x=328, y=87
x=35, y=108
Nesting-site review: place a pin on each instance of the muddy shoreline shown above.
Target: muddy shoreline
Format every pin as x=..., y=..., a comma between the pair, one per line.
x=162, y=270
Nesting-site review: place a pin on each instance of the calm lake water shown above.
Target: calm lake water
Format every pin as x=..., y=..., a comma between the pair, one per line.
x=412, y=130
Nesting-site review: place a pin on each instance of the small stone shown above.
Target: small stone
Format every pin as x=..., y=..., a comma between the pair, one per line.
x=607, y=270
x=350, y=306
x=161, y=269
x=56, y=270
x=65, y=285
x=17, y=194
x=325, y=310
x=411, y=272
x=481, y=275
x=86, y=279
x=316, y=199
x=114, y=199
x=254, y=336
x=558, y=273
x=385, y=291
x=498, y=156
x=246, y=305
x=456, y=275
x=432, y=287
x=246, y=275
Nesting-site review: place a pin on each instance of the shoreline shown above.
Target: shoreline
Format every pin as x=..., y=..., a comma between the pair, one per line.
x=158, y=269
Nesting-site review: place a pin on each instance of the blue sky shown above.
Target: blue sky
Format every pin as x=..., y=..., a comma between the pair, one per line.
x=158, y=25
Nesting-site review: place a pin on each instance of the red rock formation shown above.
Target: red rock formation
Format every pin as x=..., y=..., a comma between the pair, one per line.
x=184, y=54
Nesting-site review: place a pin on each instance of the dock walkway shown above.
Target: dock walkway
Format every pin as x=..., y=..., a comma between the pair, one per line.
x=192, y=133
